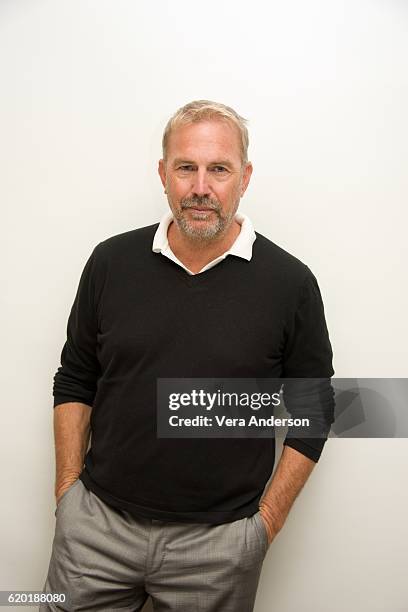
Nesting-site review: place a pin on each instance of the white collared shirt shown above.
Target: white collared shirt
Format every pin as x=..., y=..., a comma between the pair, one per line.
x=242, y=247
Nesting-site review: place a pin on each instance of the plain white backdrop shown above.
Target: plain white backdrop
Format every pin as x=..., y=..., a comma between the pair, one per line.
x=86, y=90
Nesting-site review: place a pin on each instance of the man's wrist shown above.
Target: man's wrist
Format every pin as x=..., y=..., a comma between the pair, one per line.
x=61, y=487
x=271, y=525
x=270, y=516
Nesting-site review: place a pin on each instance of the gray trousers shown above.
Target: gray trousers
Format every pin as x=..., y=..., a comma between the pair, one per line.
x=104, y=559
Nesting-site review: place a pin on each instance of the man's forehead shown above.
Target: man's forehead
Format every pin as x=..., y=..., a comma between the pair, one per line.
x=208, y=138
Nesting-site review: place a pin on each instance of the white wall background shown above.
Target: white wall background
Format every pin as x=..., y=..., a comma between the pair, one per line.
x=86, y=89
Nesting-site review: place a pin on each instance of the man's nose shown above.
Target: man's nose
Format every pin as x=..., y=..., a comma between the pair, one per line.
x=201, y=184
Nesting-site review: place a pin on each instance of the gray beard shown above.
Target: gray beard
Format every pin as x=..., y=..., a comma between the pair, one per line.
x=210, y=230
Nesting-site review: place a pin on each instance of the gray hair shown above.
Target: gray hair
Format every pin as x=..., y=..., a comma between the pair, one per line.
x=201, y=110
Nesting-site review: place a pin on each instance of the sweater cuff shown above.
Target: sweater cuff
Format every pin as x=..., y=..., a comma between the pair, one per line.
x=63, y=399
x=311, y=449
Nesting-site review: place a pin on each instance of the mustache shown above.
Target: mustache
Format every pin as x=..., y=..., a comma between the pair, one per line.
x=201, y=201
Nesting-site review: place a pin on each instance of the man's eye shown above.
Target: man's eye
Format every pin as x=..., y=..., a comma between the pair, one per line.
x=186, y=168
x=219, y=169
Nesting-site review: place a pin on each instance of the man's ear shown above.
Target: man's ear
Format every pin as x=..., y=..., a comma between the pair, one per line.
x=246, y=177
x=162, y=172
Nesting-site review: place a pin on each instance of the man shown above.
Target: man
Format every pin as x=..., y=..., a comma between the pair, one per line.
x=199, y=295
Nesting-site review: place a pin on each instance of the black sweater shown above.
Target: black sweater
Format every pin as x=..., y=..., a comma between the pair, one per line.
x=137, y=317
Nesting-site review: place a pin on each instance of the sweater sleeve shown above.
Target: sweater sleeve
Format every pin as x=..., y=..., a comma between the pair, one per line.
x=76, y=378
x=308, y=356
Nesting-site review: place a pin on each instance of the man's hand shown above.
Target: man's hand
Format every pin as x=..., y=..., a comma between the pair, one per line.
x=291, y=474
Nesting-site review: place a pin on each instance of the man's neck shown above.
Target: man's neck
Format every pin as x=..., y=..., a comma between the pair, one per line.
x=195, y=254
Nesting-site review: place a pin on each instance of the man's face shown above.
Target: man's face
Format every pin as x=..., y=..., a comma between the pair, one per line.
x=204, y=177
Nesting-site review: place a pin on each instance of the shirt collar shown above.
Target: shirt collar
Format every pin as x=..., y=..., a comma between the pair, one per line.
x=242, y=246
